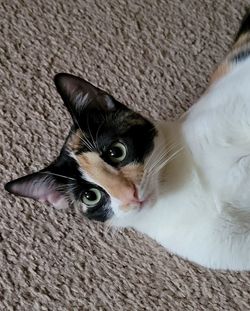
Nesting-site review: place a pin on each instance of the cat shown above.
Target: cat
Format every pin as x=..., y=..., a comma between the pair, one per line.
x=185, y=184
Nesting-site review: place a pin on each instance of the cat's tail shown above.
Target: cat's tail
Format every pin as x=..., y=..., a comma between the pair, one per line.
x=239, y=52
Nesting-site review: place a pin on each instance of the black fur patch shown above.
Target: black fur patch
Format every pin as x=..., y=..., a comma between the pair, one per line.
x=242, y=55
x=103, y=121
x=103, y=128
x=107, y=128
x=245, y=25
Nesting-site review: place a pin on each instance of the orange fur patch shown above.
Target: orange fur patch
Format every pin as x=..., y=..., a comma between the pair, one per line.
x=74, y=141
x=118, y=183
x=243, y=43
x=133, y=172
x=221, y=71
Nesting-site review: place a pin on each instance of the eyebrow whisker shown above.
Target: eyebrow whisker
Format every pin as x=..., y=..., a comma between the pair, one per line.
x=58, y=175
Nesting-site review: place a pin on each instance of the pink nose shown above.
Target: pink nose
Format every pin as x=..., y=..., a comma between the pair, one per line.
x=130, y=196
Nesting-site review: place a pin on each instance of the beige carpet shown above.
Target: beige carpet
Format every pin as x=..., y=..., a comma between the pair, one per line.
x=156, y=56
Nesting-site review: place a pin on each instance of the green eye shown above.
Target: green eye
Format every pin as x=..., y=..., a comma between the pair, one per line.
x=117, y=152
x=92, y=196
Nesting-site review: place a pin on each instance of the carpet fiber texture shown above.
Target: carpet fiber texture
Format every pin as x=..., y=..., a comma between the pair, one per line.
x=156, y=57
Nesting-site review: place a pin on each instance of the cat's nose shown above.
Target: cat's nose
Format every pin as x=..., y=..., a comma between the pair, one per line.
x=130, y=196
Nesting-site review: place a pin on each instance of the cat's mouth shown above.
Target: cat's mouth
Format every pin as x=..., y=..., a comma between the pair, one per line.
x=146, y=201
x=138, y=204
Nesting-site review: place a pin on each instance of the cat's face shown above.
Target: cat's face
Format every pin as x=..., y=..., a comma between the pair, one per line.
x=104, y=163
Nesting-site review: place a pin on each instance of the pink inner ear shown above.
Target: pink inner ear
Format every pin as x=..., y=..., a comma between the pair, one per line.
x=41, y=190
x=54, y=198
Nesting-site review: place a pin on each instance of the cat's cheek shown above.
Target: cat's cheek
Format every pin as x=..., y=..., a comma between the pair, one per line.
x=84, y=208
x=119, y=209
x=115, y=205
x=151, y=186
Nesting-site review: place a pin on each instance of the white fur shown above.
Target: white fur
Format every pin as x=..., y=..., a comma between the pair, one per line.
x=203, y=208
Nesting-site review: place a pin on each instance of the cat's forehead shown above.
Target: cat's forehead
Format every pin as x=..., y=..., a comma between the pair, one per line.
x=95, y=135
x=97, y=129
x=119, y=120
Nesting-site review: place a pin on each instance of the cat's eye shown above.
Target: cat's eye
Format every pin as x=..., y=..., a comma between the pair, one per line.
x=92, y=197
x=117, y=152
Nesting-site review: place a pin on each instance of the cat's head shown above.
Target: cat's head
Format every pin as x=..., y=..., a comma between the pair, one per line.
x=105, y=162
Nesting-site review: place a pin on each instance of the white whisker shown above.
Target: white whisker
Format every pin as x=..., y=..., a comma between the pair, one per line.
x=58, y=175
x=86, y=142
x=84, y=137
x=97, y=132
x=157, y=161
x=93, y=142
x=169, y=159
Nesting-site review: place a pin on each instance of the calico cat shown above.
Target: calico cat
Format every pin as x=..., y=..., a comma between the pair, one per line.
x=185, y=184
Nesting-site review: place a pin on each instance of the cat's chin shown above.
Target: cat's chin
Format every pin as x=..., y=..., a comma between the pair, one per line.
x=149, y=200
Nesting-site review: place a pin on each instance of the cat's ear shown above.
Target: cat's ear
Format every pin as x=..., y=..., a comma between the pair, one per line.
x=78, y=95
x=40, y=186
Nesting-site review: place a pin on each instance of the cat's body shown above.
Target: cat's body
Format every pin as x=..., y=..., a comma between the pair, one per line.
x=185, y=184
x=206, y=216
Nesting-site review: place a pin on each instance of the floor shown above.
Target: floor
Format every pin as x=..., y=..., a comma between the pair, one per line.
x=156, y=57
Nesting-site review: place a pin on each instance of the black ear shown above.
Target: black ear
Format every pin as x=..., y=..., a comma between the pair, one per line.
x=79, y=94
x=42, y=186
